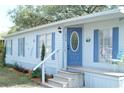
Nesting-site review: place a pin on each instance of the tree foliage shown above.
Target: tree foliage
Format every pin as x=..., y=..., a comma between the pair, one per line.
x=30, y=16
x=26, y=16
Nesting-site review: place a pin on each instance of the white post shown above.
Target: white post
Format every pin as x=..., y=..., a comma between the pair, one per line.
x=57, y=60
x=43, y=73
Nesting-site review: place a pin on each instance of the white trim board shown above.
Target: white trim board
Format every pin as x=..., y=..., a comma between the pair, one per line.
x=76, y=20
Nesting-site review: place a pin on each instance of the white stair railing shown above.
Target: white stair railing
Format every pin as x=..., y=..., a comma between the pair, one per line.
x=42, y=63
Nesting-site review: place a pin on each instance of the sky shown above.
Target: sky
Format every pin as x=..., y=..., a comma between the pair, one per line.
x=5, y=22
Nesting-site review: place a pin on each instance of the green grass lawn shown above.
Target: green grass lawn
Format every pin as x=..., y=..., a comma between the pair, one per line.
x=12, y=78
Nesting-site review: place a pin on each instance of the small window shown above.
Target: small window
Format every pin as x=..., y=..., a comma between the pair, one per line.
x=48, y=43
x=38, y=46
x=74, y=41
x=21, y=47
x=9, y=47
x=105, y=48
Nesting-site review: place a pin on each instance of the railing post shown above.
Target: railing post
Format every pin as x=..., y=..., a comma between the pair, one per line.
x=43, y=73
x=42, y=63
x=57, y=60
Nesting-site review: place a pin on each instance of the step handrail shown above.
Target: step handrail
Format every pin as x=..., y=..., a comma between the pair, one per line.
x=45, y=59
x=42, y=64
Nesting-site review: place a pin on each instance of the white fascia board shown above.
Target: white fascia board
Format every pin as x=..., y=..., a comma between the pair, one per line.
x=85, y=19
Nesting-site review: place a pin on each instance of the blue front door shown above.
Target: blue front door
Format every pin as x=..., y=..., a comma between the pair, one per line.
x=74, y=46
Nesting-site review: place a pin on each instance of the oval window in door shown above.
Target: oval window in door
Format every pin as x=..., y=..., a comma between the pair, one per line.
x=74, y=41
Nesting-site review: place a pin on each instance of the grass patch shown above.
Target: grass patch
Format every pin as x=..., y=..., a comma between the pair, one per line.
x=10, y=77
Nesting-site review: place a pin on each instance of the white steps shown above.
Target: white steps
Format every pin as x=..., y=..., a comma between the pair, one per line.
x=63, y=79
x=67, y=74
x=57, y=83
x=46, y=85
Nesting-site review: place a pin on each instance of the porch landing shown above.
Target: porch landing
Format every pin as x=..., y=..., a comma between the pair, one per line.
x=100, y=78
x=95, y=70
x=79, y=77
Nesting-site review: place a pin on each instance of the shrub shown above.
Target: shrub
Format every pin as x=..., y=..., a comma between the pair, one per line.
x=36, y=73
x=43, y=52
x=10, y=65
x=2, y=54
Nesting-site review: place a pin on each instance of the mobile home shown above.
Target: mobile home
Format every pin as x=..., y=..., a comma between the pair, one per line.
x=84, y=51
